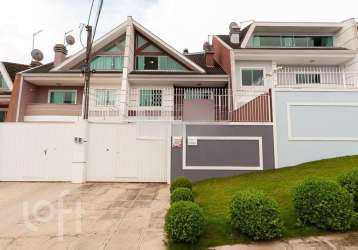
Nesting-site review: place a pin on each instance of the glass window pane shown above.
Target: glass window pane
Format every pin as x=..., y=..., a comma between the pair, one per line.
x=150, y=98
x=145, y=97
x=3, y=84
x=140, y=63
x=257, y=76
x=256, y=42
x=69, y=97
x=151, y=63
x=2, y=116
x=246, y=77
x=105, y=97
x=287, y=41
x=270, y=41
x=118, y=62
x=100, y=97
x=111, y=97
x=252, y=77
x=102, y=63
x=57, y=97
x=327, y=41
x=300, y=41
x=63, y=97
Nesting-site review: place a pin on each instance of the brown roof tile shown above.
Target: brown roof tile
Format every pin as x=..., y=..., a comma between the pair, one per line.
x=13, y=68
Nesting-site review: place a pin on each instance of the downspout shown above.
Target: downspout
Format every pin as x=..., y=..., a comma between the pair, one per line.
x=19, y=99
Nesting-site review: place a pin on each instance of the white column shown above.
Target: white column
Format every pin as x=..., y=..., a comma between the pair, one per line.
x=80, y=152
x=127, y=66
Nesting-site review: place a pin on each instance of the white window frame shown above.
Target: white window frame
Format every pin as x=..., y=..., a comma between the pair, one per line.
x=61, y=90
x=150, y=107
x=253, y=68
x=158, y=69
x=108, y=55
x=105, y=89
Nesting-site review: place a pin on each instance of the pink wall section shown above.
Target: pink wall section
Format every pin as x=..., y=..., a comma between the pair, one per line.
x=32, y=94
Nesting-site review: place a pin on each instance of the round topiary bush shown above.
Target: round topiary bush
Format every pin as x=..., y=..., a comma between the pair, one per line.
x=184, y=222
x=256, y=215
x=323, y=204
x=349, y=182
x=180, y=181
x=181, y=194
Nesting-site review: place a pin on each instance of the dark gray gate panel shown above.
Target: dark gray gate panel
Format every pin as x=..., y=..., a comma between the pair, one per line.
x=223, y=152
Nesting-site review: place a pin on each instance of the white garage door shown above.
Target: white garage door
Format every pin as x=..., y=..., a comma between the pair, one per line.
x=35, y=152
x=128, y=152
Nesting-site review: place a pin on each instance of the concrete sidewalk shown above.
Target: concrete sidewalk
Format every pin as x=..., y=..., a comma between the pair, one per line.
x=344, y=241
x=89, y=216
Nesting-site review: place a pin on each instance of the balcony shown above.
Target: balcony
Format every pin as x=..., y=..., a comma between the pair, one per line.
x=183, y=104
x=46, y=109
x=328, y=77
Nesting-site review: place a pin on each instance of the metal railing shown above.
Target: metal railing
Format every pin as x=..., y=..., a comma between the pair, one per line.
x=252, y=106
x=182, y=104
x=315, y=77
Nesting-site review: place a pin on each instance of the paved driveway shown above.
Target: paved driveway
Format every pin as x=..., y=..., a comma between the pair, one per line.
x=88, y=216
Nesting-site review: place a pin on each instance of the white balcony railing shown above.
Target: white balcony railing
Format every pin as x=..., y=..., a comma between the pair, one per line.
x=315, y=77
x=181, y=104
x=199, y=104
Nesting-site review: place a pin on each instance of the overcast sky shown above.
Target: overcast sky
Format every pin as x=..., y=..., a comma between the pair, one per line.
x=183, y=24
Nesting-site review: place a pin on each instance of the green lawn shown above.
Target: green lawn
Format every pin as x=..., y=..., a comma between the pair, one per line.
x=214, y=196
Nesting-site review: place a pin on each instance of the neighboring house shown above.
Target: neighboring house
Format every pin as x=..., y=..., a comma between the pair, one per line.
x=311, y=69
x=268, y=95
x=7, y=76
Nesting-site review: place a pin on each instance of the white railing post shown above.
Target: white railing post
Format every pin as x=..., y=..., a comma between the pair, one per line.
x=344, y=78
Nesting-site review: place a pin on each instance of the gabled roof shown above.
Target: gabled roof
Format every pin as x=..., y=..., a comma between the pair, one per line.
x=98, y=44
x=13, y=68
x=8, y=71
x=120, y=30
x=199, y=58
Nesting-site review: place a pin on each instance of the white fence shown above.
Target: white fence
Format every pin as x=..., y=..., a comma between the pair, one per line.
x=130, y=152
x=315, y=77
x=36, y=151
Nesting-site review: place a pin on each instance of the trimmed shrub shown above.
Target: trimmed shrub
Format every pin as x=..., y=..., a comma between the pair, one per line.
x=323, y=204
x=349, y=182
x=180, y=181
x=181, y=194
x=184, y=222
x=256, y=215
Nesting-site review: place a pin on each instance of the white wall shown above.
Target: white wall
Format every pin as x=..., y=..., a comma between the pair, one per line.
x=266, y=65
x=313, y=125
x=347, y=36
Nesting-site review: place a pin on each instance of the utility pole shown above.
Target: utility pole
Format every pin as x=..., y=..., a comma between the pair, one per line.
x=87, y=71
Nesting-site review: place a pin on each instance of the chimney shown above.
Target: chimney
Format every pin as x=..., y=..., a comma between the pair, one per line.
x=35, y=63
x=186, y=51
x=60, y=54
x=234, y=33
x=209, y=54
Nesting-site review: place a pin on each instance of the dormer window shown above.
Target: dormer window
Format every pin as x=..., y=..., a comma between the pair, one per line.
x=150, y=57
